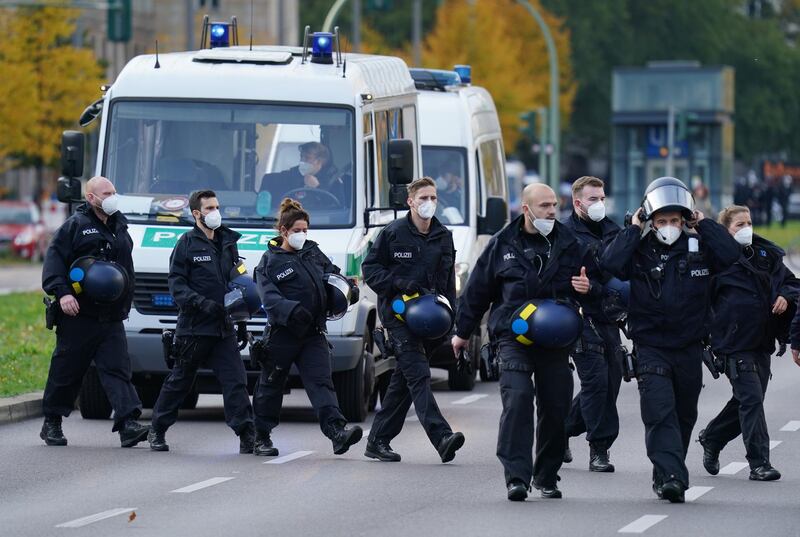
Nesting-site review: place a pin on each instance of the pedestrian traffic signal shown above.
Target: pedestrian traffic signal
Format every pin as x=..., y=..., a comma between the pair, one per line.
x=684, y=127
x=119, y=21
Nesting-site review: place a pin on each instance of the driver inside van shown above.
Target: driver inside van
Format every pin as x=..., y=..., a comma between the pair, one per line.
x=315, y=170
x=450, y=188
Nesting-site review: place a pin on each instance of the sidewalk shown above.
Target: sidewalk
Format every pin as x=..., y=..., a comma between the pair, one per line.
x=20, y=277
x=20, y=407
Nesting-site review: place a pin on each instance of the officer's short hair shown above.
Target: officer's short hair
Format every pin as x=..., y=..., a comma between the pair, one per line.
x=416, y=184
x=586, y=180
x=726, y=215
x=196, y=198
x=316, y=150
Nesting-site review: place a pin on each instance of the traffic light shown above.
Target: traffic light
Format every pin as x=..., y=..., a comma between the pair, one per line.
x=684, y=125
x=528, y=128
x=119, y=21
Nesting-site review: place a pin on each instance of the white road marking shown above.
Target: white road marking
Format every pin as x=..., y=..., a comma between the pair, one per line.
x=733, y=468
x=642, y=524
x=692, y=493
x=774, y=443
x=202, y=484
x=85, y=521
x=470, y=399
x=289, y=457
x=365, y=434
x=792, y=426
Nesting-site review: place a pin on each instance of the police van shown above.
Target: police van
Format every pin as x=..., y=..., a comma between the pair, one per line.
x=462, y=150
x=229, y=118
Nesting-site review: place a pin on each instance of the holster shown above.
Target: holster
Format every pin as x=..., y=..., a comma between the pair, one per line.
x=52, y=310
x=629, y=360
x=382, y=342
x=710, y=361
x=169, y=347
x=259, y=350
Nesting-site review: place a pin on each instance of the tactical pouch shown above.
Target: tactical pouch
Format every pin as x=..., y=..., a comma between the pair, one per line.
x=710, y=361
x=168, y=347
x=628, y=363
x=52, y=310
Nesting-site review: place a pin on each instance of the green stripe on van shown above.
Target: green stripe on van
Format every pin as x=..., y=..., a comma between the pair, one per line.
x=167, y=237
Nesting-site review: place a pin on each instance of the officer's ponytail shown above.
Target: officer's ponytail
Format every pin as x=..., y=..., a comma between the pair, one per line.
x=290, y=212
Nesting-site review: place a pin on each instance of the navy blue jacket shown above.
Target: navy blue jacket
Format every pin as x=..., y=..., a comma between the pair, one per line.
x=84, y=234
x=503, y=278
x=672, y=312
x=401, y=252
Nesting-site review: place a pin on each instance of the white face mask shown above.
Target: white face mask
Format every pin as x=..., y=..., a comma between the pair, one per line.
x=297, y=240
x=544, y=225
x=596, y=211
x=441, y=183
x=744, y=236
x=213, y=219
x=426, y=209
x=110, y=205
x=306, y=168
x=668, y=234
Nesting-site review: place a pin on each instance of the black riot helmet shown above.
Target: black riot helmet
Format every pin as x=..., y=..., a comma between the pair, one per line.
x=338, y=292
x=427, y=316
x=667, y=194
x=242, y=301
x=104, y=282
x=547, y=324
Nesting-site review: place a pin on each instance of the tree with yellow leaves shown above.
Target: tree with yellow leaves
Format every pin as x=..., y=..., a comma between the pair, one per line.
x=46, y=83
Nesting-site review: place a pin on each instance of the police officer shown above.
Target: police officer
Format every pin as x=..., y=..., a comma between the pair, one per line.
x=291, y=283
x=89, y=331
x=670, y=272
x=411, y=255
x=748, y=301
x=533, y=257
x=794, y=335
x=202, y=264
x=594, y=409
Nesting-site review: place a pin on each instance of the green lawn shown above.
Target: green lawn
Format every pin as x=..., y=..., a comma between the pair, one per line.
x=782, y=236
x=25, y=344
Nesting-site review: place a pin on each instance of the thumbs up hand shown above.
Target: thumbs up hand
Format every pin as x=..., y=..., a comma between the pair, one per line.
x=581, y=283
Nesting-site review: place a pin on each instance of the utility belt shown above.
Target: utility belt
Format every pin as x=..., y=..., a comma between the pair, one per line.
x=179, y=350
x=582, y=346
x=732, y=367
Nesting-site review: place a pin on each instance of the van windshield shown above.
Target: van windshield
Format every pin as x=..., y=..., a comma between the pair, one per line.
x=448, y=167
x=250, y=155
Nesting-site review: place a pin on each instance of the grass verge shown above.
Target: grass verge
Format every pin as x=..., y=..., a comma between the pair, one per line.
x=25, y=344
x=782, y=236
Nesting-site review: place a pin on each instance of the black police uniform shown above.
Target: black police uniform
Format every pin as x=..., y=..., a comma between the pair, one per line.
x=292, y=289
x=743, y=337
x=594, y=409
x=199, y=273
x=667, y=321
x=96, y=334
x=403, y=260
x=516, y=267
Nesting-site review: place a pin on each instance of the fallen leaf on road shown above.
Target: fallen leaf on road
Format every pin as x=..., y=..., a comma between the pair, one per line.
x=132, y=516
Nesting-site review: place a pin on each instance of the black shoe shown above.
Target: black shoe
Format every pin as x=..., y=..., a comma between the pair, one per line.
x=51, y=432
x=658, y=489
x=343, y=438
x=132, y=432
x=380, y=449
x=157, y=441
x=247, y=441
x=449, y=445
x=710, y=454
x=548, y=491
x=765, y=472
x=567, y=458
x=598, y=460
x=673, y=490
x=517, y=491
x=263, y=446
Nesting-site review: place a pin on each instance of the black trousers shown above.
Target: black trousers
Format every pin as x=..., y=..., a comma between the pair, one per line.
x=552, y=388
x=594, y=409
x=410, y=382
x=79, y=342
x=312, y=356
x=670, y=381
x=744, y=413
x=222, y=356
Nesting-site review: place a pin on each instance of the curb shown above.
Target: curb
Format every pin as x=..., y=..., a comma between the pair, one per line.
x=20, y=407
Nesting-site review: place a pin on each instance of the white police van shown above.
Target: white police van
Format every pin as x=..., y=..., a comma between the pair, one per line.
x=216, y=119
x=462, y=149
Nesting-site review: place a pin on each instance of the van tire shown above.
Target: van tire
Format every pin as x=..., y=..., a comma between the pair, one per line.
x=92, y=401
x=350, y=391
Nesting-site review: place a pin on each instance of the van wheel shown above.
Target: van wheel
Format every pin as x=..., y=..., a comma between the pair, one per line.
x=92, y=400
x=350, y=391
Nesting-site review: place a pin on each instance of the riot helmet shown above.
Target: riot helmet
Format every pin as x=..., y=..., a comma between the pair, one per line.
x=667, y=194
x=547, y=324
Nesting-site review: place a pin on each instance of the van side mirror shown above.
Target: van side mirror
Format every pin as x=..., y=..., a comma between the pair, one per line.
x=495, y=218
x=401, y=162
x=68, y=189
x=72, y=153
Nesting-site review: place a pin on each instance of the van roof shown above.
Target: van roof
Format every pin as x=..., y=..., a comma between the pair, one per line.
x=450, y=117
x=195, y=75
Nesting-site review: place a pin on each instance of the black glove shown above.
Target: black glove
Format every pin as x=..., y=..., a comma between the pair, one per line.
x=301, y=316
x=407, y=287
x=355, y=292
x=242, y=335
x=211, y=308
x=781, y=348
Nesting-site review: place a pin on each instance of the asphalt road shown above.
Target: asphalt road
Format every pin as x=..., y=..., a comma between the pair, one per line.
x=20, y=277
x=203, y=487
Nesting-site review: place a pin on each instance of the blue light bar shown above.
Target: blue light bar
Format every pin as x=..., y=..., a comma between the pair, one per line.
x=220, y=34
x=322, y=47
x=465, y=72
x=162, y=301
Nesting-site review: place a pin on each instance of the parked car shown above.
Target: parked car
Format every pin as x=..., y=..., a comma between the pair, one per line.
x=22, y=231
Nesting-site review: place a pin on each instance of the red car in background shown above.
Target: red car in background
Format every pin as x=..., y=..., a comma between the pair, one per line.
x=22, y=231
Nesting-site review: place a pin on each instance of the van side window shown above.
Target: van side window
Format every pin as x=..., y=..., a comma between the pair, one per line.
x=369, y=171
x=480, y=187
x=389, y=125
x=492, y=162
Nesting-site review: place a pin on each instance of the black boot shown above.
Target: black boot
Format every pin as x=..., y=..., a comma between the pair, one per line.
x=673, y=490
x=765, y=472
x=599, y=461
x=549, y=491
x=342, y=438
x=710, y=454
x=51, y=431
x=658, y=489
x=449, y=445
x=517, y=491
x=381, y=450
x=132, y=432
x=263, y=446
x=157, y=440
x=567, y=453
x=247, y=440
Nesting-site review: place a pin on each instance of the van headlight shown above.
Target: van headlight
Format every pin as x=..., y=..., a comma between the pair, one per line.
x=462, y=275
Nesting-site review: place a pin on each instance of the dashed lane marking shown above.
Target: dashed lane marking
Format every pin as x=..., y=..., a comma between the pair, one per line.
x=733, y=468
x=642, y=524
x=792, y=426
x=85, y=521
x=692, y=493
x=470, y=399
x=774, y=443
x=202, y=485
x=289, y=457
